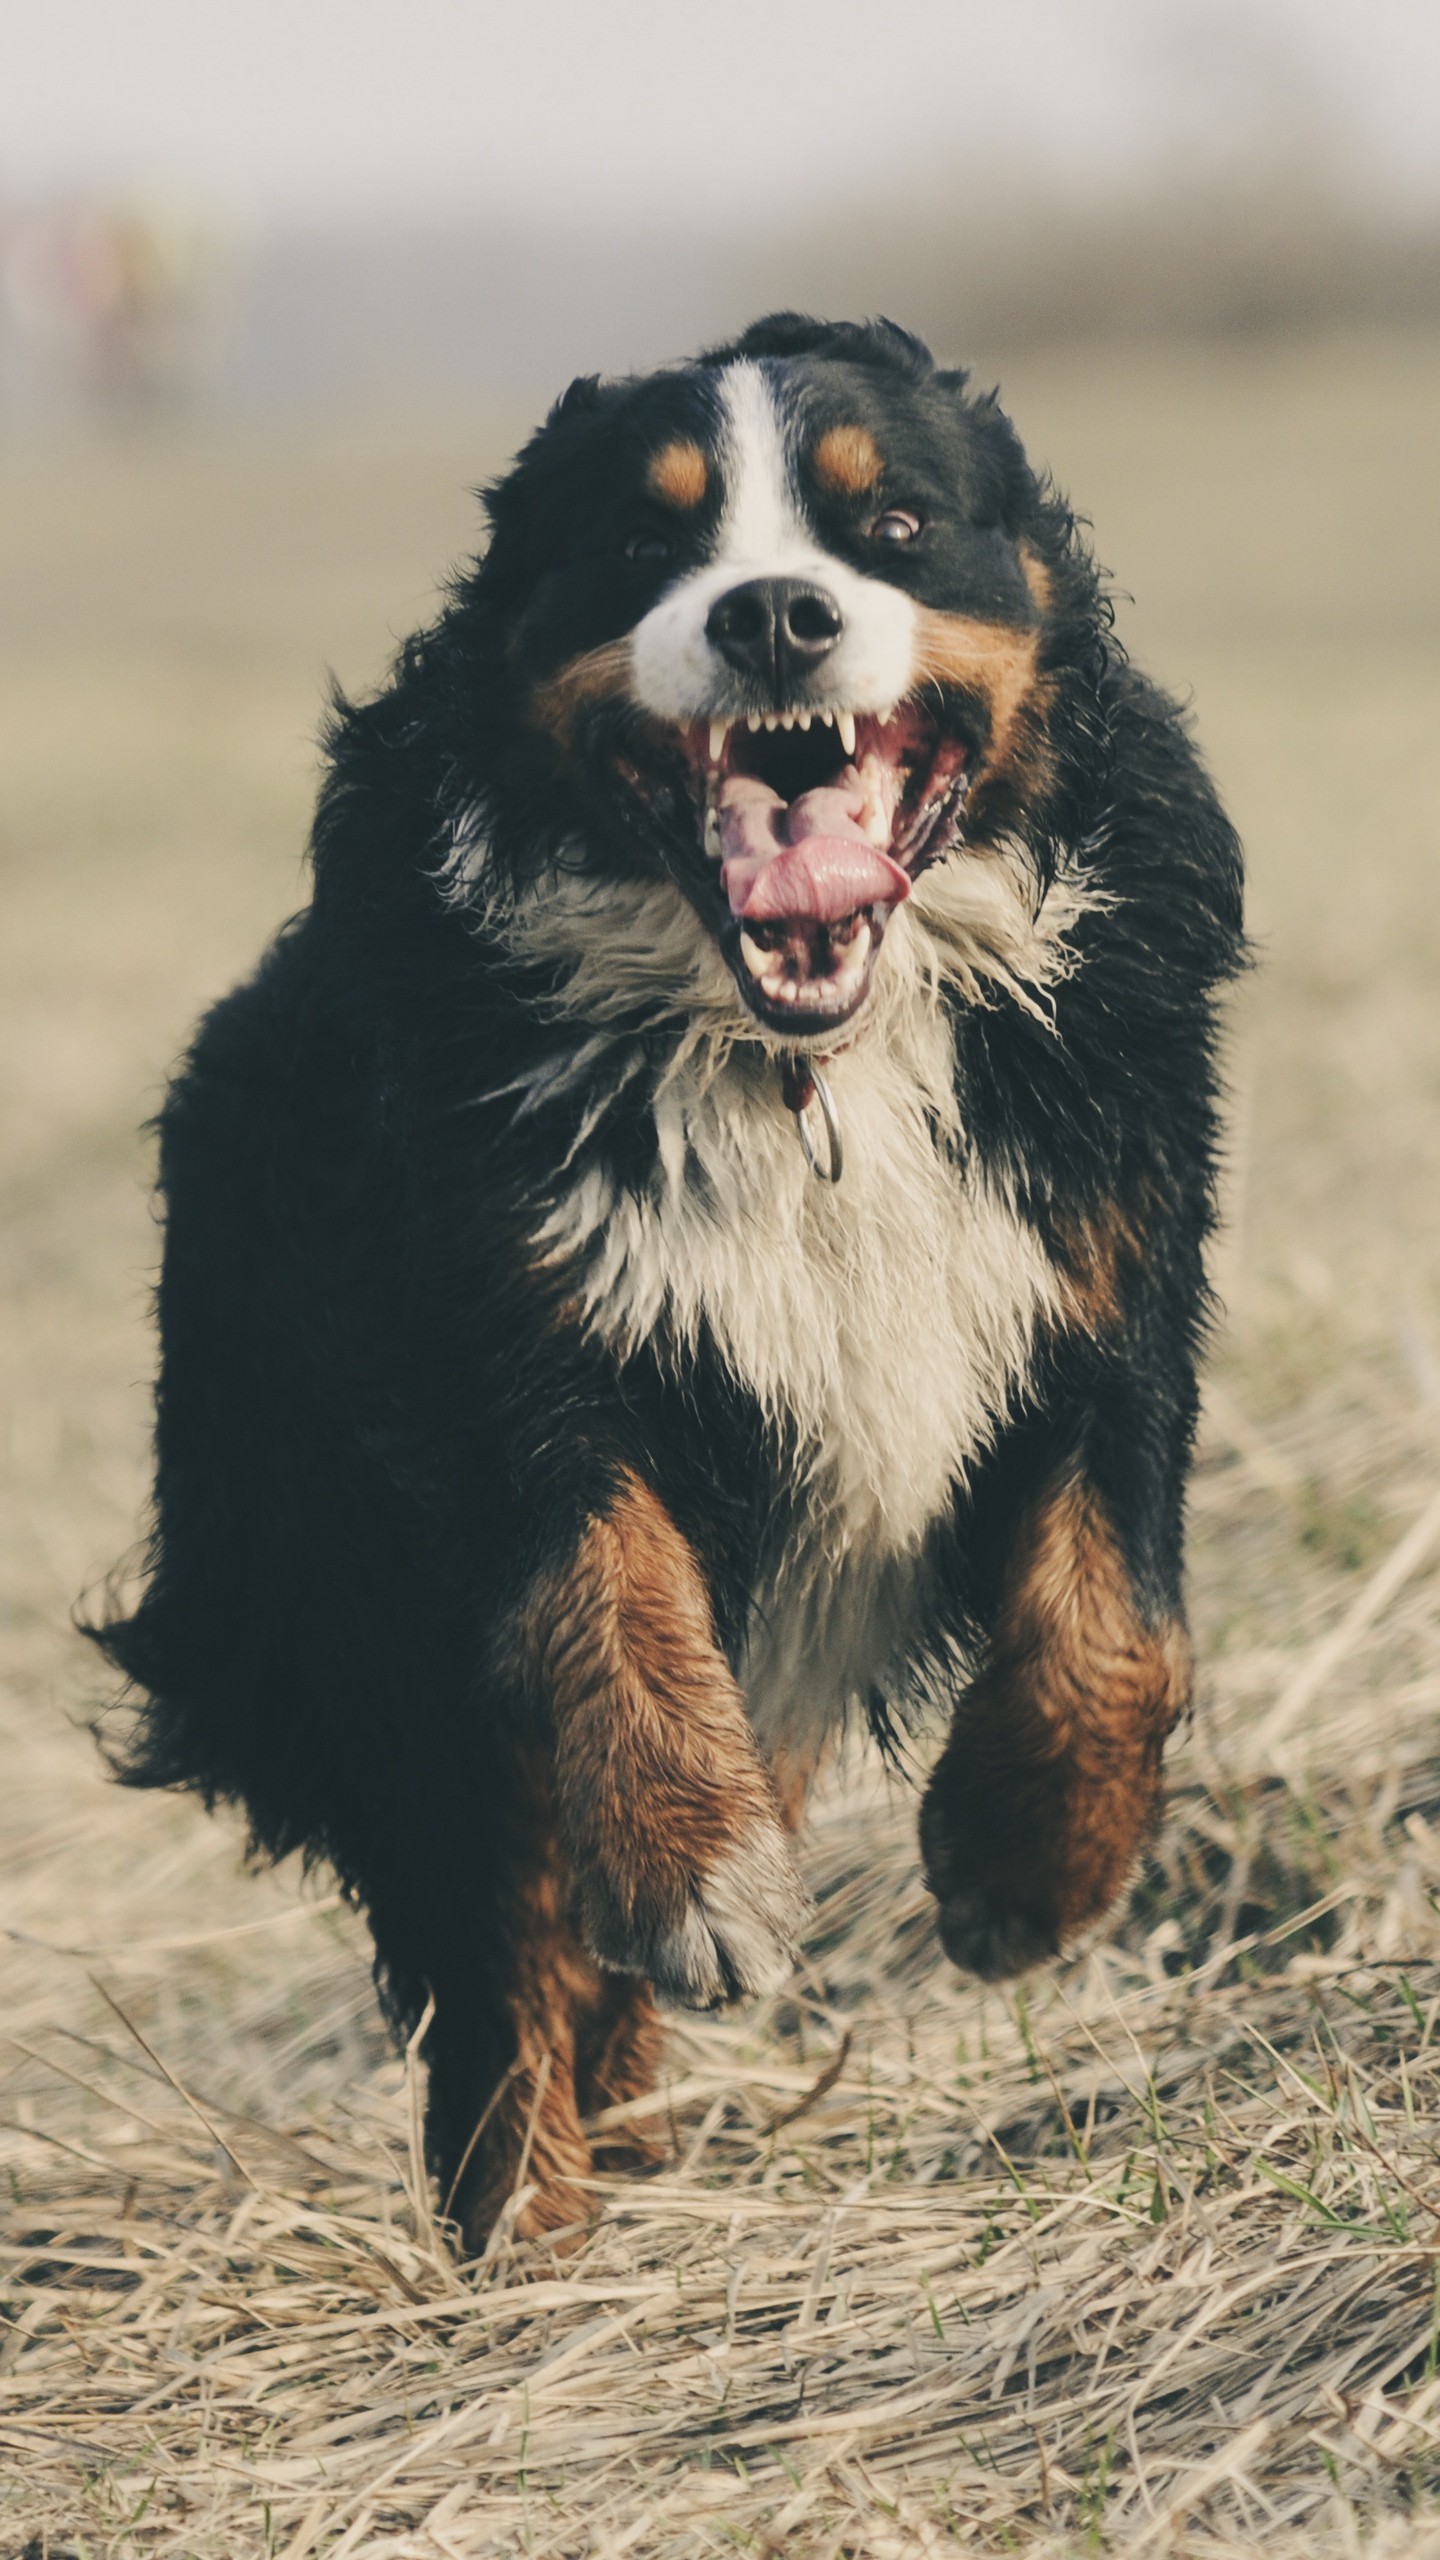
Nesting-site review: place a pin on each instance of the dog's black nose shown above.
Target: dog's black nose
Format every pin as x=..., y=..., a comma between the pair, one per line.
x=775, y=628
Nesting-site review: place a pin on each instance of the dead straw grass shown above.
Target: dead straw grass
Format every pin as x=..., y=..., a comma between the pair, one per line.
x=1148, y=2249
x=1143, y=2256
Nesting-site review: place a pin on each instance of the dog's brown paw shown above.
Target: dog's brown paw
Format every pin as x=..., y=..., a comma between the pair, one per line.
x=997, y=1912
x=984, y=1936
x=1017, y=1878
x=542, y=2209
x=730, y=1934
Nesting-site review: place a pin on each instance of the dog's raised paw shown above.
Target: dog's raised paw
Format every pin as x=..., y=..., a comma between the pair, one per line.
x=734, y=1937
x=991, y=1939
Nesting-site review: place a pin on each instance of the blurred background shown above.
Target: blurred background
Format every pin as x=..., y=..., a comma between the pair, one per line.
x=280, y=282
x=268, y=205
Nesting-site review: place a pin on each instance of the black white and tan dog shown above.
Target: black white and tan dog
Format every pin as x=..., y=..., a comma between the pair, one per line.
x=697, y=1229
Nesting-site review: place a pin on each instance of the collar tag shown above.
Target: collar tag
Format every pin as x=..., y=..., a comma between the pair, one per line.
x=802, y=1086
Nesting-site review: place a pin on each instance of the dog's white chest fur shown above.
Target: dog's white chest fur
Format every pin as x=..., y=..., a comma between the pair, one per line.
x=884, y=1326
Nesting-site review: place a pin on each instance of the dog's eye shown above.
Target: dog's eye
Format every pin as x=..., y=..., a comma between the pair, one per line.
x=895, y=526
x=648, y=545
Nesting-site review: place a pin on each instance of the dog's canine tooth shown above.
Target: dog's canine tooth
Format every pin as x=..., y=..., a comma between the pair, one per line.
x=719, y=732
x=872, y=815
x=845, y=723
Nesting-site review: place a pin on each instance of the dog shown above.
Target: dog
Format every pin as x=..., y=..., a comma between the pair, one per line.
x=695, y=1233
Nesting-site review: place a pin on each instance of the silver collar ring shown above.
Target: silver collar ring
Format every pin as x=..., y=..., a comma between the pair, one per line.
x=802, y=1083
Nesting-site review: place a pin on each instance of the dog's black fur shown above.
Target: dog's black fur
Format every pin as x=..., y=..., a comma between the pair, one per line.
x=384, y=1431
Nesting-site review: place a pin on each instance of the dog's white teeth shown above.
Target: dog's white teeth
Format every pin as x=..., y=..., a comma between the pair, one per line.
x=772, y=721
x=804, y=719
x=829, y=719
x=845, y=723
x=787, y=719
x=756, y=960
x=719, y=732
x=713, y=846
x=752, y=721
x=873, y=819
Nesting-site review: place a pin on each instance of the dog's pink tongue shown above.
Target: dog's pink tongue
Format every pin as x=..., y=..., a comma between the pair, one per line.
x=808, y=857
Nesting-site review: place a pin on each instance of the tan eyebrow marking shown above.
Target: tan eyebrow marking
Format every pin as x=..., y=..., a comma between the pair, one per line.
x=849, y=460
x=678, y=474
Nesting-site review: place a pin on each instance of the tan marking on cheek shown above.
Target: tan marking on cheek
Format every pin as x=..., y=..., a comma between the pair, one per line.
x=679, y=474
x=1001, y=665
x=988, y=658
x=596, y=673
x=848, y=460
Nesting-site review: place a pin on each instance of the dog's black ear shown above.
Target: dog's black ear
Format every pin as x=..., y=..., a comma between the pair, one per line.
x=879, y=343
x=1013, y=485
x=580, y=396
x=503, y=499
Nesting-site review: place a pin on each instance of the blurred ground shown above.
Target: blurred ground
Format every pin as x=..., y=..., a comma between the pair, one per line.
x=1146, y=2256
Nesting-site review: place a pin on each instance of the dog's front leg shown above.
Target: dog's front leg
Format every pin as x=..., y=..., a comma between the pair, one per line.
x=1049, y=1785
x=683, y=1869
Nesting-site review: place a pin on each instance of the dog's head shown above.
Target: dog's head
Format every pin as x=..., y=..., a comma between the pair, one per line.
x=774, y=625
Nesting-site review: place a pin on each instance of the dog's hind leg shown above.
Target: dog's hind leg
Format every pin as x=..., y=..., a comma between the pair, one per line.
x=1049, y=1784
x=618, y=1830
x=533, y=2037
x=617, y=2060
x=515, y=1994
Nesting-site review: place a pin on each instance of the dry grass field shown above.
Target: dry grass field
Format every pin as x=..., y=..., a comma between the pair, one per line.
x=1144, y=2256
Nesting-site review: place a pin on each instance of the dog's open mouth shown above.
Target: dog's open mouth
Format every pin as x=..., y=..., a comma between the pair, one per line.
x=815, y=825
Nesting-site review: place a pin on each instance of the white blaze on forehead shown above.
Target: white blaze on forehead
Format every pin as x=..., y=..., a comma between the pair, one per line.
x=763, y=533
x=761, y=523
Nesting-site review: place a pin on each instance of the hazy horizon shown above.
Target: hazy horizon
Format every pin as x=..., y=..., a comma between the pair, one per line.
x=280, y=113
